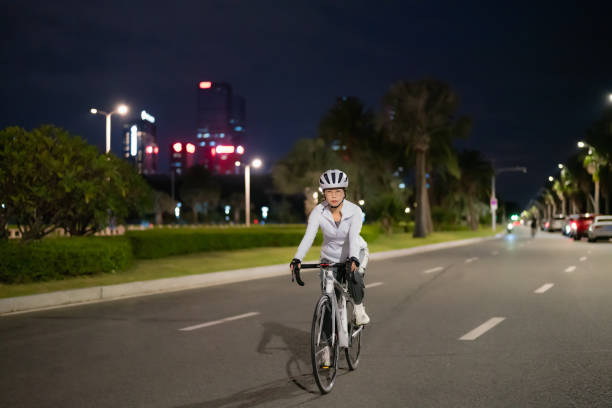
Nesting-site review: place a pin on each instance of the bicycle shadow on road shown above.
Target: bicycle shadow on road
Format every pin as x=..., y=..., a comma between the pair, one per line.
x=297, y=343
x=298, y=388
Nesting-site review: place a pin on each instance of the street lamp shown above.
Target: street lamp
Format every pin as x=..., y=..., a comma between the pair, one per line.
x=551, y=178
x=121, y=109
x=247, y=188
x=581, y=144
x=560, y=165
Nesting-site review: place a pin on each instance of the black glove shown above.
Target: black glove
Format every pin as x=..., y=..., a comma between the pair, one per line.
x=349, y=269
x=295, y=262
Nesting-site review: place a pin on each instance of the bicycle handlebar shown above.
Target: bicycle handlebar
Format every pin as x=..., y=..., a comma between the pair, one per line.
x=295, y=274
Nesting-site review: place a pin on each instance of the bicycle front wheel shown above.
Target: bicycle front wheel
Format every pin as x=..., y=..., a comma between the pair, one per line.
x=323, y=346
x=353, y=351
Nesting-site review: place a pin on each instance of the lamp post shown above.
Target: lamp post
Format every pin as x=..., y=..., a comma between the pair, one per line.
x=121, y=109
x=493, y=198
x=247, y=188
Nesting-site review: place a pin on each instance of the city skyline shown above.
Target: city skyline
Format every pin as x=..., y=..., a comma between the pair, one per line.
x=532, y=84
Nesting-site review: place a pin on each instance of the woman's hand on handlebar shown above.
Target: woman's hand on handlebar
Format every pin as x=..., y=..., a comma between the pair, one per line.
x=295, y=271
x=354, y=263
x=293, y=263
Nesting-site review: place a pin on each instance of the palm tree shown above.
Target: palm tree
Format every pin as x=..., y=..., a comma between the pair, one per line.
x=474, y=183
x=580, y=184
x=417, y=115
x=551, y=204
x=593, y=163
x=348, y=129
x=560, y=191
x=299, y=171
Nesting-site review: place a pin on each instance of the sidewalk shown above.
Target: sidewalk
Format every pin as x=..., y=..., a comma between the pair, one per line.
x=75, y=297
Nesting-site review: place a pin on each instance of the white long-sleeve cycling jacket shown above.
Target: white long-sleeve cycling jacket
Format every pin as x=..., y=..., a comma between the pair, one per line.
x=339, y=242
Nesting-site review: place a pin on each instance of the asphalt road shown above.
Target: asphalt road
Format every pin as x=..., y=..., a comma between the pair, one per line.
x=546, y=349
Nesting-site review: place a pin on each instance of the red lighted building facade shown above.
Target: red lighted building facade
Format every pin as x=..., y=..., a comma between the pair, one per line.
x=220, y=159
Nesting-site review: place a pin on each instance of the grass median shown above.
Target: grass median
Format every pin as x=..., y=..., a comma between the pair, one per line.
x=216, y=261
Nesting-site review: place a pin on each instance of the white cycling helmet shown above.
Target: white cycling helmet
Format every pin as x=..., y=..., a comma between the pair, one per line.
x=333, y=179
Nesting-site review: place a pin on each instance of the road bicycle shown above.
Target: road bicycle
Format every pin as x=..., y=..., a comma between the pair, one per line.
x=333, y=323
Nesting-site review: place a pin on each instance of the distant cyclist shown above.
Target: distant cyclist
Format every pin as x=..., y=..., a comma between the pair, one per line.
x=340, y=221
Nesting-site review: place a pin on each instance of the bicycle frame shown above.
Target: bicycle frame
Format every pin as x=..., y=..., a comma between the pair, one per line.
x=329, y=284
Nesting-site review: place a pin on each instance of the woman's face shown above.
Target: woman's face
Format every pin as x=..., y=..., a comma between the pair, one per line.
x=334, y=196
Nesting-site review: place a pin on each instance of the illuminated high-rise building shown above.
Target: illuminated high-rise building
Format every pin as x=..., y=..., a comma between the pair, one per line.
x=221, y=127
x=140, y=144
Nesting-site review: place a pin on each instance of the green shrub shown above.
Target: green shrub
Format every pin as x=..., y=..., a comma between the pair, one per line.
x=60, y=258
x=159, y=243
x=442, y=217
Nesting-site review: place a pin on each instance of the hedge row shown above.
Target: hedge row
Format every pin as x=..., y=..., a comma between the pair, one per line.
x=160, y=243
x=60, y=258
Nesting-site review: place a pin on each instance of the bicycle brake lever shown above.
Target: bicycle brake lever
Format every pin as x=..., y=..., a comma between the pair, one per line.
x=296, y=274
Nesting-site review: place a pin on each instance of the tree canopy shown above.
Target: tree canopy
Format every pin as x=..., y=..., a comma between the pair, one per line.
x=50, y=179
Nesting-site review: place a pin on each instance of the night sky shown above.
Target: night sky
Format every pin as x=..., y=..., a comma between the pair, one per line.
x=532, y=77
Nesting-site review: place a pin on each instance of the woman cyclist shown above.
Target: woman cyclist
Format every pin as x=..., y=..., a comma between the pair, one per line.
x=340, y=221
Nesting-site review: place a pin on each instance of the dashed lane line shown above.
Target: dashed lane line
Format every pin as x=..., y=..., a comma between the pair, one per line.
x=583, y=258
x=373, y=285
x=570, y=269
x=470, y=260
x=482, y=329
x=544, y=288
x=436, y=269
x=215, y=322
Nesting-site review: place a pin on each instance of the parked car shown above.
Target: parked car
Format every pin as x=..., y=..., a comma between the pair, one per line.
x=555, y=223
x=579, y=227
x=601, y=228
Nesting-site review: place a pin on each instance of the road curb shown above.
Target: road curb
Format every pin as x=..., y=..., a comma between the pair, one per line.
x=74, y=297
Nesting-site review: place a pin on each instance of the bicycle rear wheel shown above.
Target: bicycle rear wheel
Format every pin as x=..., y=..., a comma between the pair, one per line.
x=324, y=375
x=353, y=351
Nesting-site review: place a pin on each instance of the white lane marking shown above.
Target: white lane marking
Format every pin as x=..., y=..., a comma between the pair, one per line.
x=436, y=269
x=544, y=288
x=227, y=319
x=589, y=252
x=570, y=269
x=583, y=258
x=495, y=253
x=469, y=260
x=483, y=328
x=373, y=284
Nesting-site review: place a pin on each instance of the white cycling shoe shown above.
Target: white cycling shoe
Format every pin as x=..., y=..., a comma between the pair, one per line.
x=361, y=317
x=326, y=357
